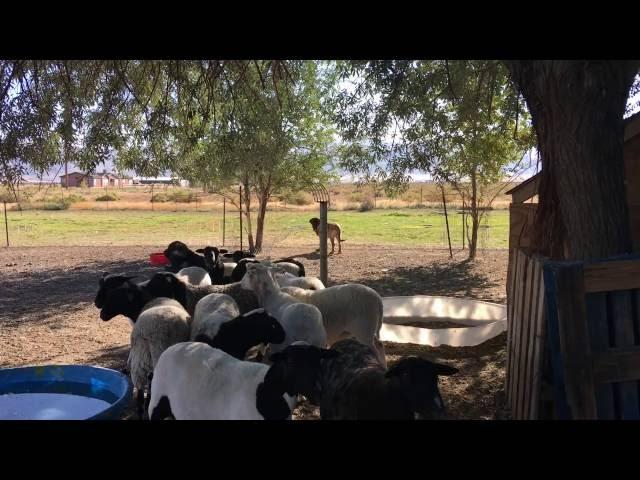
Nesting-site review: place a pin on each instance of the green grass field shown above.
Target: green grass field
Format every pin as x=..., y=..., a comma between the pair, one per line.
x=404, y=227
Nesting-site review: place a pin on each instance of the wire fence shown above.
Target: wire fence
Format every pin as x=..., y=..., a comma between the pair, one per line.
x=424, y=228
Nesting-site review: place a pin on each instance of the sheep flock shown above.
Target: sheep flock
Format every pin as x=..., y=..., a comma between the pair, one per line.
x=220, y=335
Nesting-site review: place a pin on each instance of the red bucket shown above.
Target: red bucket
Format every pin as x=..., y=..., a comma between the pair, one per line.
x=158, y=258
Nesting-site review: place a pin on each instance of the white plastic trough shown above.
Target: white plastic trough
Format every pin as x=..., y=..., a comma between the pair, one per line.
x=479, y=321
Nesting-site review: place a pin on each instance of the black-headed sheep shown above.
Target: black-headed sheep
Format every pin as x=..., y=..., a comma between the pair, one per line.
x=354, y=386
x=158, y=324
x=239, y=334
x=194, y=381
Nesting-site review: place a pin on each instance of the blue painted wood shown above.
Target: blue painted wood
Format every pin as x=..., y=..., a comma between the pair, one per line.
x=563, y=411
x=599, y=332
x=621, y=320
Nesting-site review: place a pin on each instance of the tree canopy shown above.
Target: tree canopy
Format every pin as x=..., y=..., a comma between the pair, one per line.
x=461, y=121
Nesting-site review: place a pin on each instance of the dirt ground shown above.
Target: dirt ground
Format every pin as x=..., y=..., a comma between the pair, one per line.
x=47, y=313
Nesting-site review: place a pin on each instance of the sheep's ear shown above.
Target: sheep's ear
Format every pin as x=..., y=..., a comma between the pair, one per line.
x=129, y=277
x=200, y=250
x=104, y=274
x=223, y=250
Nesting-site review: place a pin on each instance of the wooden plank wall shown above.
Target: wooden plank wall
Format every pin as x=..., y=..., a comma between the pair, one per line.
x=525, y=334
x=521, y=217
x=632, y=178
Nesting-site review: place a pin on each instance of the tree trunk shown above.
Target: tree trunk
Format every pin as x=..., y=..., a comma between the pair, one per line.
x=247, y=213
x=263, y=198
x=475, y=220
x=577, y=109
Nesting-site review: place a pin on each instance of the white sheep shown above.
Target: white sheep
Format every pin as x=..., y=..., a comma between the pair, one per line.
x=194, y=381
x=286, y=279
x=211, y=312
x=195, y=276
x=349, y=310
x=158, y=324
x=301, y=322
x=289, y=265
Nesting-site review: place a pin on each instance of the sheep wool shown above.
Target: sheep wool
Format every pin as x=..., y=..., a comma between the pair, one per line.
x=349, y=310
x=199, y=382
x=211, y=312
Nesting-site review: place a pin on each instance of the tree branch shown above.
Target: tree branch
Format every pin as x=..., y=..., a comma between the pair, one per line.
x=446, y=64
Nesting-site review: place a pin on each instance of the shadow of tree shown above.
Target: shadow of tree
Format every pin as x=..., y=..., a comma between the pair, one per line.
x=110, y=357
x=308, y=256
x=447, y=278
x=37, y=296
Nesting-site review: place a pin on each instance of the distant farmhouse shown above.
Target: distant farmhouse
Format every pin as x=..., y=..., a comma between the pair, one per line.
x=161, y=181
x=104, y=179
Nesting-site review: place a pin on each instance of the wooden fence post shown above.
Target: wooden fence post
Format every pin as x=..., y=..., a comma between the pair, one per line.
x=6, y=223
x=323, y=242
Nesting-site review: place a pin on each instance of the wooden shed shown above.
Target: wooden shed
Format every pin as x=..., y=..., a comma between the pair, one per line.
x=573, y=347
x=74, y=179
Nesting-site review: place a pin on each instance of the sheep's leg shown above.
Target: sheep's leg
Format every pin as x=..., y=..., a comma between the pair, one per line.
x=145, y=414
x=339, y=245
x=333, y=246
x=379, y=349
x=148, y=400
x=140, y=403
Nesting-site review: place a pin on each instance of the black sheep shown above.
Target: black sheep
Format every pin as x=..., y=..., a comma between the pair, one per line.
x=354, y=386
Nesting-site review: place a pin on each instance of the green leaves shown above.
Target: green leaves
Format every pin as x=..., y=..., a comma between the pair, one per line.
x=448, y=118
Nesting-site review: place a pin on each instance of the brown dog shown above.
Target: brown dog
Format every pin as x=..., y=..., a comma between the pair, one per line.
x=334, y=232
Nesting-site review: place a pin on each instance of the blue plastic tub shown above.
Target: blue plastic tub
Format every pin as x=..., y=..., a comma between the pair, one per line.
x=93, y=383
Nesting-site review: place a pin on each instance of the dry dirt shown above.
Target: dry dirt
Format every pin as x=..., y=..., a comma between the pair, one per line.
x=47, y=313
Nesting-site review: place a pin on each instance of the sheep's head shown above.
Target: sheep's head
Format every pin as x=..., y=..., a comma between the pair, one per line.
x=297, y=368
x=165, y=284
x=127, y=300
x=418, y=379
x=260, y=279
x=268, y=329
x=241, y=268
x=108, y=282
x=210, y=253
x=177, y=251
